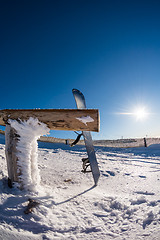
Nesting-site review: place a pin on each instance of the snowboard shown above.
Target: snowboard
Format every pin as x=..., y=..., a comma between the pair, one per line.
x=81, y=104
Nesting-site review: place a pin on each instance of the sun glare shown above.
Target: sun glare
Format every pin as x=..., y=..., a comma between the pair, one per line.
x=140, y=113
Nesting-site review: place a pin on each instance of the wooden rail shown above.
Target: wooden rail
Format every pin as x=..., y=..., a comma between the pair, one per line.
x=56, y=119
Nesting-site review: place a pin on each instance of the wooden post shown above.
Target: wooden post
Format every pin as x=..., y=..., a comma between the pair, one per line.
x=11, y=139
x=145, y=142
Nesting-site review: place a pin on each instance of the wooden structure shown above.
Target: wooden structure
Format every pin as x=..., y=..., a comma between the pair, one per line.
x=55, y=119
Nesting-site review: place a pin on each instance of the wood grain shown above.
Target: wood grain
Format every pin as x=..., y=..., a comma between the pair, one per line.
x=11, y=139
x=56, y=119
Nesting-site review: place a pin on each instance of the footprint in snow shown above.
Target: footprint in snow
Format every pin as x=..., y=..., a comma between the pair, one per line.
x=138, y=201
x=127, y=174
x=109, y=173
x=141, y=176
x=148, y=220
x=152, y=203
x=105, y=175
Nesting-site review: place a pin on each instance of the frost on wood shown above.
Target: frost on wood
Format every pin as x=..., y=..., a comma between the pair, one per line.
x=85, y=120
x=29, y=131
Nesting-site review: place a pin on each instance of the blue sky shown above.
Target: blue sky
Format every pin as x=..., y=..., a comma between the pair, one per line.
x=110, y=50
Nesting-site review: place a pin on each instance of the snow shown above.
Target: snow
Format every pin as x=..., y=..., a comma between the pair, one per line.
x=124, y=205
x=29, y=131
x=85, y=120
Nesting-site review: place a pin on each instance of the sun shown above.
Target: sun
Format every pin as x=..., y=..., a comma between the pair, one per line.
x=140, y=113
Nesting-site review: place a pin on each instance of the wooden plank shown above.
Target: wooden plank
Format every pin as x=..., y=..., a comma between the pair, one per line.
x=56, y=119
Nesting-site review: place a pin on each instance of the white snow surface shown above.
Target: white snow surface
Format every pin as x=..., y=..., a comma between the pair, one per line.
x=125, y=204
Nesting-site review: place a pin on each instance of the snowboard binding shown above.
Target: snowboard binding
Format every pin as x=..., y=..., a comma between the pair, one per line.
x=85, y=165
x=77, y=139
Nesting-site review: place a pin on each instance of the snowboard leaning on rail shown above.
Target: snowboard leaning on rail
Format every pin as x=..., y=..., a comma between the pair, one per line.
x=81, y=104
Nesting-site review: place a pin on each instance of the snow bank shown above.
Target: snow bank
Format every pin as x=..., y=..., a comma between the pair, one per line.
x=29, y=131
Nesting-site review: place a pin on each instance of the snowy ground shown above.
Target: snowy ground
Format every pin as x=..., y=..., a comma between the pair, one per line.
x=125, y=204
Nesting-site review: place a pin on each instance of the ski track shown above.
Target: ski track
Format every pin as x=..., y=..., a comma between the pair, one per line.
x=124, y=205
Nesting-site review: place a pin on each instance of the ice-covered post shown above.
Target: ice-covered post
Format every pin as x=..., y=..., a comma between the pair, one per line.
x=21, y=152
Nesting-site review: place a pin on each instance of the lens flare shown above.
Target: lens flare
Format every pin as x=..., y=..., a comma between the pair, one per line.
x=140, y=113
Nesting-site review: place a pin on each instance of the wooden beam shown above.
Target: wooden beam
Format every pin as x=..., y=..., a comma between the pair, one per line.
x=56, y=119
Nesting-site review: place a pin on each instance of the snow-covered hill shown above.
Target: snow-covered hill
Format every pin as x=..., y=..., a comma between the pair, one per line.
x=124, y=205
